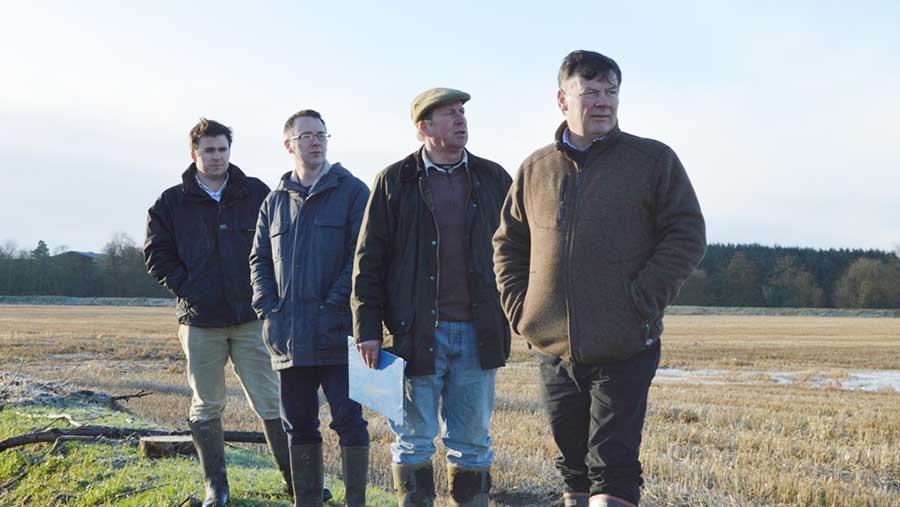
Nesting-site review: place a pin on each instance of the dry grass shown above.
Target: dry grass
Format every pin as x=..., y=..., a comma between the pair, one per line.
x=704, y=445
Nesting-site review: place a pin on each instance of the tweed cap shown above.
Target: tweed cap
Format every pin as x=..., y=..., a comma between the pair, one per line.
x=430, y=99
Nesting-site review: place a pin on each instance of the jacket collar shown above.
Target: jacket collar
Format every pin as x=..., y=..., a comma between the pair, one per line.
x=599, y=144
x=237, y=183
x=328, y=180
x=429, y=165
x=413, y=166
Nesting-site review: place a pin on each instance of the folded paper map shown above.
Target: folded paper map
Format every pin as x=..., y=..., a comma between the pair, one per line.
x=380, y=389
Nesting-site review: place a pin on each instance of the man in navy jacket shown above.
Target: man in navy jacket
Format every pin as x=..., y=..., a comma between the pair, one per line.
x=198, y=239
x=300, y=266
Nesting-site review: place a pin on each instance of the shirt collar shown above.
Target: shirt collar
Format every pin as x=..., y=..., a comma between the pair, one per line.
x=567, y=141
x=215, y=194
x=463, y=162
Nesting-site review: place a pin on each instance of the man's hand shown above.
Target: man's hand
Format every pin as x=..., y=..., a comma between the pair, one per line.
x=369, y=350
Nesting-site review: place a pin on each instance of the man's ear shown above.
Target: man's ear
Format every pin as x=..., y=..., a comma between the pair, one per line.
x=193, y=155
x=287, y=146
x=561, y=100
x=422, y=127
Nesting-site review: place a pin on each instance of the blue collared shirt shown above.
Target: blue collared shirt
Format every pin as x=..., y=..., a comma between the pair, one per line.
x=567, y=141
x=215, y=194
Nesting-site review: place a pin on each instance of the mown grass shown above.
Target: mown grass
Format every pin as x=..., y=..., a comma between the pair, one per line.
x=86, y=474
x=756, y=444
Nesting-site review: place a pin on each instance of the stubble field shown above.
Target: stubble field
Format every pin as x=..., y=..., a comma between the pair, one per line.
x=739, y=437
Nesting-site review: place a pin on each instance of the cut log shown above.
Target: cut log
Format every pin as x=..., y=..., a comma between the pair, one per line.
x=115, y=433
x=167, y=446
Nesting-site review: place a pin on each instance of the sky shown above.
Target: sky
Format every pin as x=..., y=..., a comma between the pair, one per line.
x=783, y=113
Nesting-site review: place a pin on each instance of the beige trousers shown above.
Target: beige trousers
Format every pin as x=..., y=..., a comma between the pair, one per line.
x=208, y=349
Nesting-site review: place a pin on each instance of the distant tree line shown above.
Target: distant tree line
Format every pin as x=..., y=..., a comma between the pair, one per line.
x=730, y=275
x=117, y=271
x=756, y=275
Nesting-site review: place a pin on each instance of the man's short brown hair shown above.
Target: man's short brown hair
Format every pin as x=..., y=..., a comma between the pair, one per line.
x=588, y=65
x=208, y=128
x=289, y=124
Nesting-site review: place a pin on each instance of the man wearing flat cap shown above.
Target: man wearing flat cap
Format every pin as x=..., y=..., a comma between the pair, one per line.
x=423, y=287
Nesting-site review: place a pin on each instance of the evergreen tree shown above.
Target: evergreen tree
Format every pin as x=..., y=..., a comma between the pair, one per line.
x=742, y=282
x=791, y=286
x=41, y=251
x=697, y=290
x=40, y=267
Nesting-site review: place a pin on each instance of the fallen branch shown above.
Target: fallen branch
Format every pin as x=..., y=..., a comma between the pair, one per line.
x=190, y=501
x=56, y=417
x=126, y=397
x=18, y=477
x=115, y=433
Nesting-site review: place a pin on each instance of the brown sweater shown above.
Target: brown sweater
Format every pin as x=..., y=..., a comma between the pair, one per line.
x=449, y=196
x=588, y=257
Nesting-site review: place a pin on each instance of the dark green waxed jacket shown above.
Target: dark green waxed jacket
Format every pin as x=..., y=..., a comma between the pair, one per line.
x=394, y=291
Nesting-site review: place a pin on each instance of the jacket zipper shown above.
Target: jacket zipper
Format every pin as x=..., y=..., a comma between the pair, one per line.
x=567, y=268
x=561, y=215
x=221, y=225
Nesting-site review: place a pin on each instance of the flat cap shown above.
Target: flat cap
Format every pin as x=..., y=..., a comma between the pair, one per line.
x=430, y=99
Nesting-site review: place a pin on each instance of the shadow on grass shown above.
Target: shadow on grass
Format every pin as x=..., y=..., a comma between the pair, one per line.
x=527, y=498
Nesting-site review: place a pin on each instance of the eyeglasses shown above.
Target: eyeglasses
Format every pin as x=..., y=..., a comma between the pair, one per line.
x=321, y=136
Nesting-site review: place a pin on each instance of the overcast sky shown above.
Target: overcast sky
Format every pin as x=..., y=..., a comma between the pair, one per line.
x=783, y=113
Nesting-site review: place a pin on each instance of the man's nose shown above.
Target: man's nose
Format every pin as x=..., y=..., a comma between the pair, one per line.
x=602, y=100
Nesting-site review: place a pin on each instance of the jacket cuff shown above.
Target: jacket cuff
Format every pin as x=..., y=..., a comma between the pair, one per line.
x=264, y=310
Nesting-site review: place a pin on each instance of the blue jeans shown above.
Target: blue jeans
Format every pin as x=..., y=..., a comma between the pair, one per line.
x=467, y=394
x=300, y=405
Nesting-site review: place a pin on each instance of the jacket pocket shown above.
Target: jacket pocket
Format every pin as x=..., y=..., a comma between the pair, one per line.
x=278, y=239
x=543, y=316
x=398, y=336
x=550, y=201
x=334, y=326
x=331, y=235
x=609, y=325
x=247, y=233
x=276, y=336
x=646, y=334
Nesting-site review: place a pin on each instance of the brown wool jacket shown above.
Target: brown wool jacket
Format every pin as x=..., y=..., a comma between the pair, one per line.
x=587, y=258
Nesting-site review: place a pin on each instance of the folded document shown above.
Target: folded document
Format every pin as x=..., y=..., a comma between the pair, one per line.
x=380, y=389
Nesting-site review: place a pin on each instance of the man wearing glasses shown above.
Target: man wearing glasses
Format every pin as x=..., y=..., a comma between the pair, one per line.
x=198, y=238
x=424, y=270
x=300, y=268
x=599, y=231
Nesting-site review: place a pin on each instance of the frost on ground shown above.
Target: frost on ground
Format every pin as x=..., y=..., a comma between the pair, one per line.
x=870, y=381
x=22, y=390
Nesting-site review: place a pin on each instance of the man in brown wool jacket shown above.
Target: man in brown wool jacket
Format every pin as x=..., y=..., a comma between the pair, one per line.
x=598, y=233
